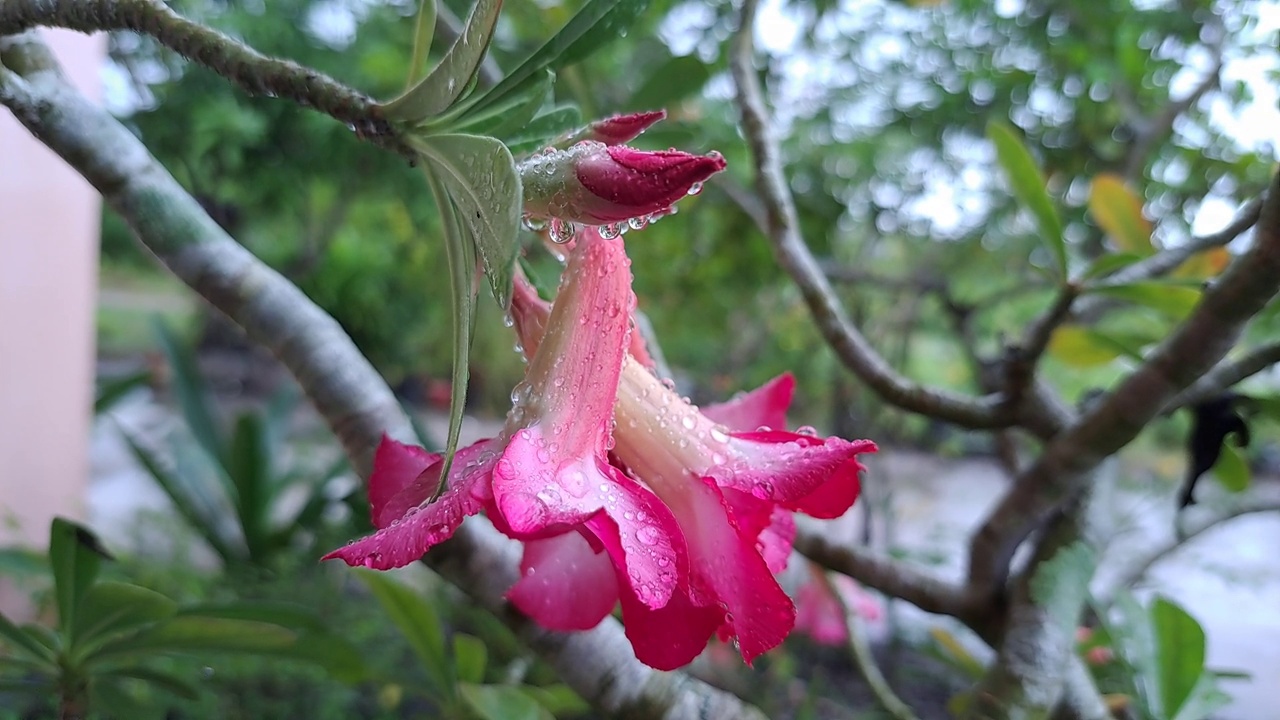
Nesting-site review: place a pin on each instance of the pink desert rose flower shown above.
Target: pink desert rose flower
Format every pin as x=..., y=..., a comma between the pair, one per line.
x=820, y=614
x=546, y=478
x=594, y=184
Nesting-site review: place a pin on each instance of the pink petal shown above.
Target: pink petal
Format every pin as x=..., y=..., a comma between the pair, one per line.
x=773, y=527
x=622, y=128
x=819, y=615
x=423, y=486
x=408, y=538
x=395, y=467
x=623, y=182
x=766, y=406
x=564, y=583
x=538, y=495
x=834, y=497
x=785, y=467
x=670, y=637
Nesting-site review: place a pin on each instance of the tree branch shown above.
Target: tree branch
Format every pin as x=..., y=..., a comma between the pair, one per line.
x=1161, y=125
x=1200, y=342
x=1226, y=374
x=252, y=71
x=781, y=227
x=356, y=403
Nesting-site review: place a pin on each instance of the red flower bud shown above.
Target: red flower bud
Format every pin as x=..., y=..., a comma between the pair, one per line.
x=622, y=128
x=594, y=184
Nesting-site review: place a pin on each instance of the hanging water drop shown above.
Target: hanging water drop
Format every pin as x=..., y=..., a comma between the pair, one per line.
x=695, y=188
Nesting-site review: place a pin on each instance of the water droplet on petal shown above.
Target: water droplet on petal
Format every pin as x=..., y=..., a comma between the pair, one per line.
x=648, y=535
x=719, y=435
x=807, y=430
x=695, y=188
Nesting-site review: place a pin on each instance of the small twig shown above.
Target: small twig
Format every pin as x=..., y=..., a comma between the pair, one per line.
x=1021, y=361
x=1226, y=374
x=252, y=71
x=866, y=661
x=781, y=226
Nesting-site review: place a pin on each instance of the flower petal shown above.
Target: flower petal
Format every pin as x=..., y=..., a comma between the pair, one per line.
x=834, y=497
x=407, y=538
x=766, y=406
x=670, y=637
x=773, y=527
x=622, y=128
x=396, y=466
x=564, y=583
x=785, y=467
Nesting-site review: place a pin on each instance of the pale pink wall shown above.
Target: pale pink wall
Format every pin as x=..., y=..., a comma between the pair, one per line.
x=49, y=225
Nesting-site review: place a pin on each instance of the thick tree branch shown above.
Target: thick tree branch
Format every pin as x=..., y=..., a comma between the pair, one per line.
x=1200, y=342
x=344, y=387
x=252, y=71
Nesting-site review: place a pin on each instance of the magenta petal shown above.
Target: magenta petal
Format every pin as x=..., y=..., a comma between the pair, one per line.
x=564, y=583
x=424, y=484
x=834, y=497
x=395, y=467
x=766, y=406
x=773, y=527
x=785, y=467
x=408, y=538
x=669, y=637
x=819, y=615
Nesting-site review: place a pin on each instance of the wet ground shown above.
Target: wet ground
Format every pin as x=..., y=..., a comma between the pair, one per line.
x=1228, y=578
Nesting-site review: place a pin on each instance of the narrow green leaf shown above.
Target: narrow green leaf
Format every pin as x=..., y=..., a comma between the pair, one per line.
x=1232, y=470
x=249, y=466
x=20, y=640
x=112, y=697
x=502, y=702
x=174, y=487
x=446, y=83
x=167, y=681
x=338, y=656
x=1179, y=652
x=460, y=253
x=500, y=119
x=1174, y=301
x=560, y=700
x=424, y=30
x=479, y=175
x=1080, y=346
x=1118, y=211
x=671, y=82
x=597, y=23
x=75, y=555
x=1104, y=265
x=284, y=614
x=419, y=623
x=110, y=392
x=188, y=385
x=1028, y=186
x=112, y=607
x=193, y=634
x=542, y=129
x=469, y=658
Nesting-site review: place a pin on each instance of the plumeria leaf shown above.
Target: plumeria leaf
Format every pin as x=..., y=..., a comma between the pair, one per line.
x=1179, y=654
x=1119, y=212
x=75, y=555
x=597, y=23
x=1028, y=185
x=424, y=30
x=479, y=175
x=1231, y=470
x=469, y=658
x=1080, y=346
x=440, y=89
x=419, y=623
x=502, y=702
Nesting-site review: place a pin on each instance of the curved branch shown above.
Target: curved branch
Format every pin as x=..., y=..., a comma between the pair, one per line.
x=1194, y=347
x=252, y=71
x=1227, y=373
x=781, y=226
x=346, y=390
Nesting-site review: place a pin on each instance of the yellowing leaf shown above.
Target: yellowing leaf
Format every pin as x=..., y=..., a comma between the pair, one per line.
x=1119, y=212
x=1081, y=347
x=1204, y=265
x=955, y=650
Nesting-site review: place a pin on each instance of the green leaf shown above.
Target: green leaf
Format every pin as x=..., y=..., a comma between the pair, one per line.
x=502, y=702
x=174, y=487
x=1080, y=346
x=446, y=83
x=1028, y=186
x=469, y=658
x=74, y=555
x=284, y=614
x=673, y=81
x=167, y=681
x=954, y=652
x=424, y=30
x=189, y=387
x=201, y=634
x=597, y=23
x=559, y=700
x=114, y=607
x=1104, y=265
x=1232, y=470
x=1174, y=301
x=113, y=697
x=1179, y=654
x=249, y=466
x=417, y=621
x=512, y=113
x=479, y=175
x=1205, y=700
x=539, y=131
x=1118, y=211
x=110, y=392
x=20, y=640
